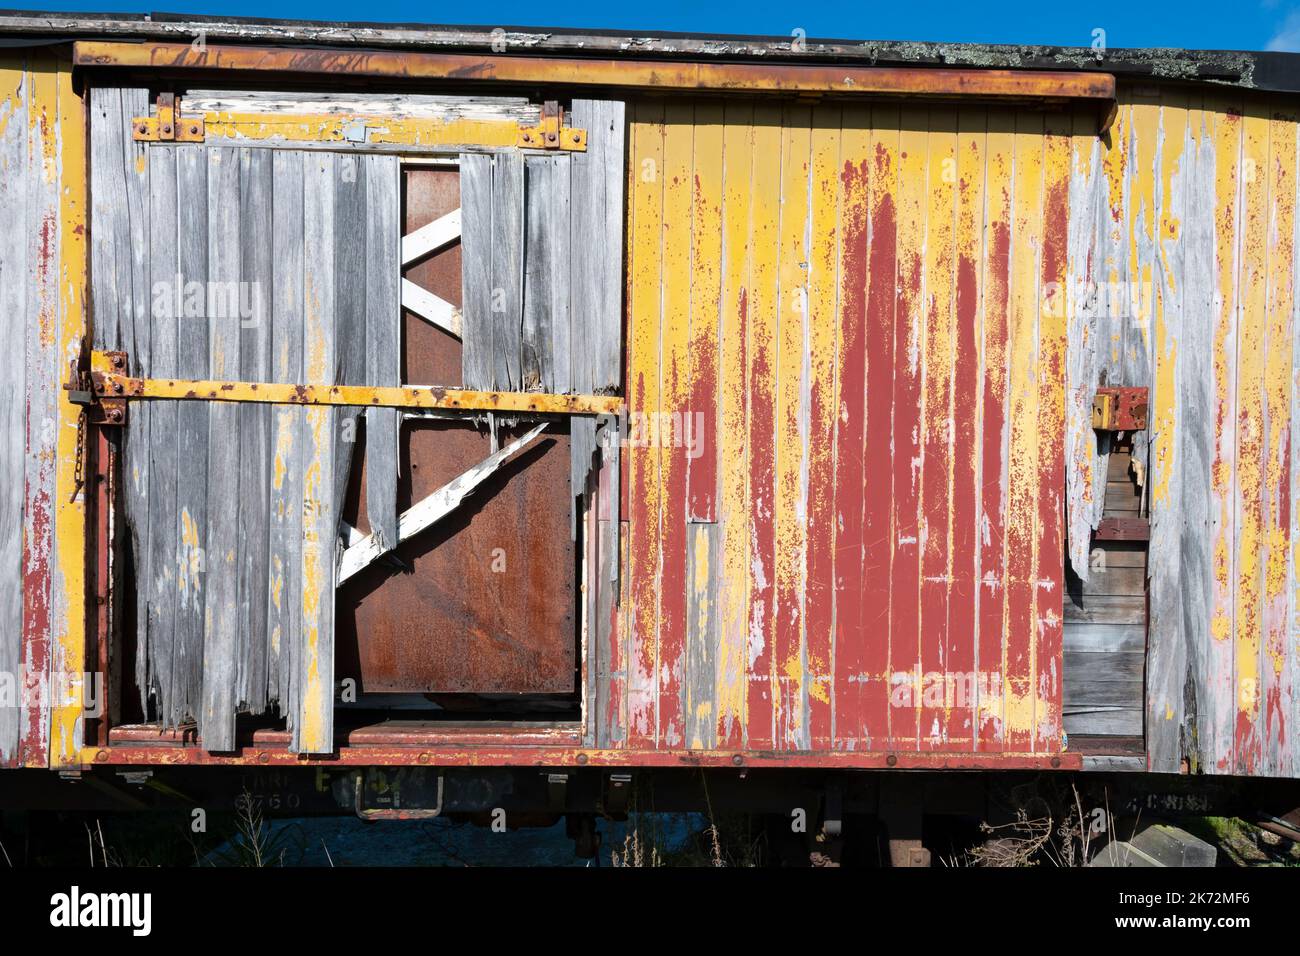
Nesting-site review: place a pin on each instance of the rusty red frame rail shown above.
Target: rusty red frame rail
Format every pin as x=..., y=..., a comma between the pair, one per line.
x=1097, y=88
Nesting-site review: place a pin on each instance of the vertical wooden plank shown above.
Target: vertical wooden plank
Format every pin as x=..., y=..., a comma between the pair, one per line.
x=934, y=504
x=991, y=647
x=870, y=390
x=1049, y=571
x=674, y=397
x=1276, y=692
x=541, y=183
x=476, y=272
x=1167, y=638
x=905, y=569
x=1289, y=682
x=818, y=478
x=192, y=419
x=700, y=727
x=700, y=425
x=284, y=583
x=507, y=269
x=1218, y=710
x=559, y=259
x=1022, y=454
x=349, y=336
x=791, y=400
x=733, y=421
x=255, y=288
x=14, y=270
x=42, y=232
x=313, y=706
x=760, y=374
x=221, y=608
x=164, y=578
x=960, y=654
x=68, y=606
x=854, y=493
x=383, y=318
x=1252, y=452
x=647, y=203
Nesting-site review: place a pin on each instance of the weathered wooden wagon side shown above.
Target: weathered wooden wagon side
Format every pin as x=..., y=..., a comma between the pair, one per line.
x=398, y=399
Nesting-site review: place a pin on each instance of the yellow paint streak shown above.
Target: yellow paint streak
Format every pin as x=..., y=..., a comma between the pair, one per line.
x=1281, y=179
x=643, y=459
x=763, y=354
x=674, y=385
x=372, y=130
x=790, y=515
x=823, y=347
x=733, y=421
x=1164, y=435
x=1022, y=455
x=698, y=629
x=1251, y=449
x=54, y=91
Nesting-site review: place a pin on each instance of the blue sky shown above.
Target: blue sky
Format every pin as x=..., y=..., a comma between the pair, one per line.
x=1244, y=25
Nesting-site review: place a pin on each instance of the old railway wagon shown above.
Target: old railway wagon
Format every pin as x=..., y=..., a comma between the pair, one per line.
x=449, y=397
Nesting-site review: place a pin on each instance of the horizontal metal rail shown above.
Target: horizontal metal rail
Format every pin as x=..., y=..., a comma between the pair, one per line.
x=111, y=386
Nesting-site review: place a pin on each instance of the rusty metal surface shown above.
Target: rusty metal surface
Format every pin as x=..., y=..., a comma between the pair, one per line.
x=556, y=755
x=629, y=73
x=487, y=603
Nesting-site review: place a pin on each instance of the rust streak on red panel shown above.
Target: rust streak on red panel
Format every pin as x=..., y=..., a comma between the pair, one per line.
x=960, y=653
x=991, y=530
x=875, y=548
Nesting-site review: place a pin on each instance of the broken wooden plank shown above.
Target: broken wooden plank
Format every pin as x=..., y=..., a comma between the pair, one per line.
x=383, y=355
x=432, y=509
x=221, y=607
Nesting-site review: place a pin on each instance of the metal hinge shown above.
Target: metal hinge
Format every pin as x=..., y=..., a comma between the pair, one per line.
x=551, y=133
x=1120, y=409
x=86, y=387
x=169, y=125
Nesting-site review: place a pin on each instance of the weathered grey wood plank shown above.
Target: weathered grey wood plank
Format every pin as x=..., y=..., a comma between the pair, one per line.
x=507, y=270
x=476, y=269
x=349, y=276
x=546, y=269
x=1106, y=609
x=698, y=686
x=383, y=340
x=312, y=709
x=1118, y=723
x=221, y=661
x=182, y=698
x=284, y=556
x=163, y=579
x=1126, y=638
x=14, y=279
x=120, y=299
x=257, y=280
x=1087, y=666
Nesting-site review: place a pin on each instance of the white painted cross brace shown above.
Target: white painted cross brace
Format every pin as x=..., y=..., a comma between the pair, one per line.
x=429, y=307
x=430, y=238
x=432, y=509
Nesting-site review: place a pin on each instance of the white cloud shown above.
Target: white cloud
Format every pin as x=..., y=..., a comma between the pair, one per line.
x=1287, y=38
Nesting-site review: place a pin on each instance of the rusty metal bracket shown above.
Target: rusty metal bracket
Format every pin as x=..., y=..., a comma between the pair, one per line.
x=551, y=133
x=86, y=387
x=1120, y=409
x=169, y=125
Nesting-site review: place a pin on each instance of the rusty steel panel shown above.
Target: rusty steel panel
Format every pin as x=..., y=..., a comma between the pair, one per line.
x=486, y=602
x=849, y=339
